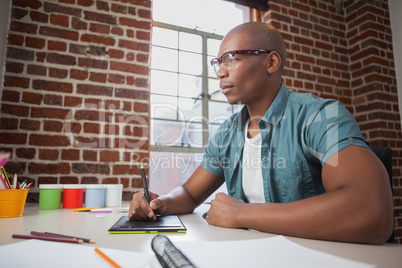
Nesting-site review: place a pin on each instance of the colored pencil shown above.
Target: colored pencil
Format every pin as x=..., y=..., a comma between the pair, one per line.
x=3, y=182
x=28, y=186
x=15, y=181
x=7, y=180
x=84, y=209
x=109, y=260
x=47, y=234
x=54, y=239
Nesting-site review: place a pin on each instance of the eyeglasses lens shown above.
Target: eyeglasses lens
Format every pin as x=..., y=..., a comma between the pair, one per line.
x=227, y=63
x=216, y=66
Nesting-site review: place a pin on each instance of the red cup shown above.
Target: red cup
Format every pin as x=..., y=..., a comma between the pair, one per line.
x=73, y=195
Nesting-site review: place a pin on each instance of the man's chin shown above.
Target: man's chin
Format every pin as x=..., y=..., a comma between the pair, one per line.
x=233, y=101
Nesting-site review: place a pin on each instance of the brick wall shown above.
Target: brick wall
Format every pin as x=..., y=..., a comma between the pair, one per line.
x=75, y=99
x=343, y=50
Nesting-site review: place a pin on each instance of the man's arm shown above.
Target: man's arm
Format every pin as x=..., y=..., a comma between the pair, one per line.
x=181, y=200
x=357, y=205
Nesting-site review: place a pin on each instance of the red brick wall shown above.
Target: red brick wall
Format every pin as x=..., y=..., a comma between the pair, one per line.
x=343, y=50
x=75, y=99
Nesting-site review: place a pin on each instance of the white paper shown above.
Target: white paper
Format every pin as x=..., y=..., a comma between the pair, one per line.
x=37, y=253
x=267, y=252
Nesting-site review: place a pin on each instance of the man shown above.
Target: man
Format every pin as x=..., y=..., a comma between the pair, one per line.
x=294, y=164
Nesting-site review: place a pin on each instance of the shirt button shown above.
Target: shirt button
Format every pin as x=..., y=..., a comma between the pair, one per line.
x=350, y=139
x=239, y=144
x=231, y=170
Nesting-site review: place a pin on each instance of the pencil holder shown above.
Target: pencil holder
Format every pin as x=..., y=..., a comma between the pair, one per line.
x=113, y=195
x=50, y=196
x=12, y=202
x=94, y=195
x=73, y=195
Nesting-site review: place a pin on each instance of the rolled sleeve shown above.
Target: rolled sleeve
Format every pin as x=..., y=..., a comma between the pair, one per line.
x=330, y=130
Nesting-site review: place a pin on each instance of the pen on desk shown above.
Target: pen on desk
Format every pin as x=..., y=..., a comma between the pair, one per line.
x=46, y=238
x=145, y=184
x=109, y=260
x=47, y=234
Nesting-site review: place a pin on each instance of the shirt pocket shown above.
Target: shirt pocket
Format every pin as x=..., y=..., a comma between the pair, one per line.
x=293, y=182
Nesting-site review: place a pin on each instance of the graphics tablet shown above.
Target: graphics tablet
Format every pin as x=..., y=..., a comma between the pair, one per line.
x=162, y=224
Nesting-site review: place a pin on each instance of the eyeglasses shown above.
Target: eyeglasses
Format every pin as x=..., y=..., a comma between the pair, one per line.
x=228, y=61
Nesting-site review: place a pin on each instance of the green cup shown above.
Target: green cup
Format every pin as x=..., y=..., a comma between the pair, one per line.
x=50, y=196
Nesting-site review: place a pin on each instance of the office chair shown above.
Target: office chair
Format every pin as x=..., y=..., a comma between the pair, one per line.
x=385, y=155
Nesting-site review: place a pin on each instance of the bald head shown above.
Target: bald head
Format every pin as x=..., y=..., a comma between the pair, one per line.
x=260, y=35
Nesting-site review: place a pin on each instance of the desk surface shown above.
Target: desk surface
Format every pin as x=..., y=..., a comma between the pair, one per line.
x=85, y=224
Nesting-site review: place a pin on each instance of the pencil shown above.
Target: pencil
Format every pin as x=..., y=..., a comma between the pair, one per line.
x=7, y=180
x=3, y=181
x=84, y=209
x=54, y=239
x=47, y=234
x=109, y=260
x=15, y=181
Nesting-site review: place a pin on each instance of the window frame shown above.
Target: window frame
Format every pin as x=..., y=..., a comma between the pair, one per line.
x=204, y=97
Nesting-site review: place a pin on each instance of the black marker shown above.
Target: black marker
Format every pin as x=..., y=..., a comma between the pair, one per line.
x=144, y=182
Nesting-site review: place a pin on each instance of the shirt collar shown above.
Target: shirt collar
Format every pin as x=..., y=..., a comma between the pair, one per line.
x=277, y=108
x=275, y=111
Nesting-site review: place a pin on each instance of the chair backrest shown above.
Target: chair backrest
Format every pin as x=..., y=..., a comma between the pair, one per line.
x=384, y=153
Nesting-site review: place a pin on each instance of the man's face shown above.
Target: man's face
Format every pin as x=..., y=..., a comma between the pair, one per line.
x=246, y=83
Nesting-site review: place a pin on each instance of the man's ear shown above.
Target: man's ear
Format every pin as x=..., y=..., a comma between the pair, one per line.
x=274, y=62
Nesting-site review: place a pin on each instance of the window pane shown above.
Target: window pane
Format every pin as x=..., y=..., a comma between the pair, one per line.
x=211, y=71
x=206, y=15
x=194, y=134
x=190, y=110
x=190, y=42
x=236, y=108
x=163, y=58
x=164, y=37
x=178, y=92
x=170, y=170
x=190, y=63
x=169, y=133
x=190, y=85
x=213, y=47
x=219, y=112
x=164, y=107
x=163, y=82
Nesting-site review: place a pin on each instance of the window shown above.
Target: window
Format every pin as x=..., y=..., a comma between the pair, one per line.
x=186, y=103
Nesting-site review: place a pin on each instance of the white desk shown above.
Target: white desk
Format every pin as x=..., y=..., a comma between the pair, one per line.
x=85, y=224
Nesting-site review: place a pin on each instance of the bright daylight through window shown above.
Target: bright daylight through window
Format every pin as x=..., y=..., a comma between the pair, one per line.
x=187, y=105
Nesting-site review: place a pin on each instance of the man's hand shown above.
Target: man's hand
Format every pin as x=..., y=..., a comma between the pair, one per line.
x=224, y=211
x=141, y=210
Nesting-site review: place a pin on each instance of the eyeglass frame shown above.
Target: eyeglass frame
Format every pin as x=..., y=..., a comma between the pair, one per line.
x=218, y=61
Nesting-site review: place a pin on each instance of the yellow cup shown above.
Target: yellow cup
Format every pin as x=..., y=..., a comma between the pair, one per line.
x=12, y=202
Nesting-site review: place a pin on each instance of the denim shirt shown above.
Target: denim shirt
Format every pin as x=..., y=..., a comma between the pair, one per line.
x=299, y=133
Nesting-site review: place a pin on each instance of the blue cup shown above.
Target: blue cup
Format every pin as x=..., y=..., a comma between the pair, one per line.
x=95, y=195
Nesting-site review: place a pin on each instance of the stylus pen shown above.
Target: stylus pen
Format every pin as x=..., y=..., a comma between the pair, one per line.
x=144, y=182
